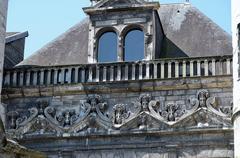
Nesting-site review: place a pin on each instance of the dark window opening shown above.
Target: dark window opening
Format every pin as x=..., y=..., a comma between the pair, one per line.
x=107, y=47
x=134, y=45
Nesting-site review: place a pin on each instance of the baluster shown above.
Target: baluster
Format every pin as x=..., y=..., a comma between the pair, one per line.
x=220, y=67
x=14, y=78
x=169, y=69
x=206, y=67
x=126, y=72
x=147, y=71
x=97, y=73
x=119, y=72
x=49, y=76
x=140, y=71
x=42, y=77
x=35, y=78
x=105, y=73
x=69, y=75
x=21, y=74
x=155, y=70
x=90, y=72
x=76, y=75
x=162, y=70
x=55, y=77
x=83, y=74
x=111, y=73
x=28, y=78
x=191, y=69
x=62, y=76
x=133, y=72
x=176, y=69
x=7, y=79
x=184, y=68
x=198, y=68
x=228, y=67
x=213, y=67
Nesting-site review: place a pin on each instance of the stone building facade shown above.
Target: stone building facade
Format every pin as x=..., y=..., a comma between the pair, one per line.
x=175, y=102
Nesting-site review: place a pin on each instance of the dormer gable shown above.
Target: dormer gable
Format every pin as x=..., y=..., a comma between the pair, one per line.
x=111, y=5
x=122, y=20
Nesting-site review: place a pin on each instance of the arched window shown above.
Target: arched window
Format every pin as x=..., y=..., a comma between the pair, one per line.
x=107, y=47
x=134, y=45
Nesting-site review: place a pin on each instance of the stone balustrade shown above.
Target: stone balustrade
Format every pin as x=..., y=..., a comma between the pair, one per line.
x=118, y=71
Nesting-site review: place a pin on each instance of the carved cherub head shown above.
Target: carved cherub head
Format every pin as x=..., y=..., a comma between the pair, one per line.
x=202, y=96
x=144, y=99
x=119, y=111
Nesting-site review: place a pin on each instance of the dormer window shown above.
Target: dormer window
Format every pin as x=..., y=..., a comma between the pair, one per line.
x=121, y=30
x=107, y=47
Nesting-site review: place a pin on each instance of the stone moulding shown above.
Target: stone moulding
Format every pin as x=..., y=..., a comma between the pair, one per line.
x=94, y=116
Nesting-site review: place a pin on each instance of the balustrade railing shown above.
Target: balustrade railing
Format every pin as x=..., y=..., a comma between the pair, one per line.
x=118, y=71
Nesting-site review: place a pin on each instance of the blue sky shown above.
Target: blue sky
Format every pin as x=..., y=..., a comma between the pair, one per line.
x=47, y=19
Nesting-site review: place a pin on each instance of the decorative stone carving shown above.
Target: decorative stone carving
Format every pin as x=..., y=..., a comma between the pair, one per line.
x=172, y=112
x=120, y=114
x=202, y=97
x=143, y=103
x=12, y=116
x=93, y=116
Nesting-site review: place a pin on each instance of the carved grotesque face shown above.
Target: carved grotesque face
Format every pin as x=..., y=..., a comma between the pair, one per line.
x=93, y=102
x=145, y=101
x=118, y=114
x=67, y=118
x=202, y=97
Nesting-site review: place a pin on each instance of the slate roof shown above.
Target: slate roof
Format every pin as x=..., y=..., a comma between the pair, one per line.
x=188, y=32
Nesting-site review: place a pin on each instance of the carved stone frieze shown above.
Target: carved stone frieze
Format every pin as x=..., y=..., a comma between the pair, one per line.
x=95, y=115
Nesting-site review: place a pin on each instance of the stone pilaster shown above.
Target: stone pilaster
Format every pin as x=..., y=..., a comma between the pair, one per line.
x=236, y=75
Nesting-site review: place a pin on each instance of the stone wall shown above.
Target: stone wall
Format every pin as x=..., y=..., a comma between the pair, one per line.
x=188, y=117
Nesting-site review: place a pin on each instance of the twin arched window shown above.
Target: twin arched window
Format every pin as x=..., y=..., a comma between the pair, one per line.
x=133, y=46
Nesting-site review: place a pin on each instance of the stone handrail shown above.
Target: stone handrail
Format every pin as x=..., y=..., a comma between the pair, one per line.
x=118, y=71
